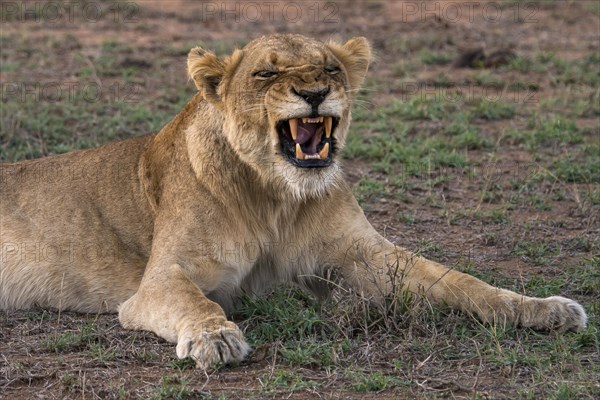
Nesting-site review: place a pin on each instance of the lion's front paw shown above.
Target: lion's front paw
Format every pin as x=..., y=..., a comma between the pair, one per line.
x=212, y=342
x=556, y=313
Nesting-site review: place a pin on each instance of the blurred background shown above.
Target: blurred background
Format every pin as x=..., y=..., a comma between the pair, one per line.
x=476, y=141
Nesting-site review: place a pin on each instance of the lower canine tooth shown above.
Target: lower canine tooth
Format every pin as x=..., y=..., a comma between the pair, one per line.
x=324, y=152
x=299, y=154
x=328, y=124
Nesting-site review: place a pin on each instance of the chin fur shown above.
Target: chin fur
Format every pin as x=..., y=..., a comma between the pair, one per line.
x=307, y=183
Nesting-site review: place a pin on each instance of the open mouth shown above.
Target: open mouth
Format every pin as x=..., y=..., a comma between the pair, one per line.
x=308, y=142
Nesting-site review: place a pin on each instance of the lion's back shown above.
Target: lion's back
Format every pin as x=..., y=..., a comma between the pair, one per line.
x=77, y=221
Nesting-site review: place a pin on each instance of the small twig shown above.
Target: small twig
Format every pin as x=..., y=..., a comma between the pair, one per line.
x=479, y=368
x=422, y=363
x=62, y=285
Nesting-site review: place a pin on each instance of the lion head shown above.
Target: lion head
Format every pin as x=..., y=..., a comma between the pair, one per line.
x=286, y=103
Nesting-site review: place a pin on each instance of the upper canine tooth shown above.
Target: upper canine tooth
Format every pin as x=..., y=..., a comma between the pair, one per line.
x=299, y=153
x=328, y=124
x=293, y=127
x=324, y=152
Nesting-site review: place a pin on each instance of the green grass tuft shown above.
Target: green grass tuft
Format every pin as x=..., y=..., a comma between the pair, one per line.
x=371, y=382
x=493, y=110
x=429, y=57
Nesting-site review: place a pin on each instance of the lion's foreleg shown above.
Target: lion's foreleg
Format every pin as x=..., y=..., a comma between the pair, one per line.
x=169, y=304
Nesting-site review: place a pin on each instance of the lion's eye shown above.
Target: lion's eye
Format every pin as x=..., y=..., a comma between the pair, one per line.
x=332, y=69
x=264, y=74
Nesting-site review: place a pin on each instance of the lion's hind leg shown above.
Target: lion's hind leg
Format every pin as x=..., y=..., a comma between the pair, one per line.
x=374, y=266
x=466, y=293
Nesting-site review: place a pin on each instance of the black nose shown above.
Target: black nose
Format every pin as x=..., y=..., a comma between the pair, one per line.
x=312, y=97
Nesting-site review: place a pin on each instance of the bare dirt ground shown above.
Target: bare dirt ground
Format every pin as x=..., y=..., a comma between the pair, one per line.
x=505, y=209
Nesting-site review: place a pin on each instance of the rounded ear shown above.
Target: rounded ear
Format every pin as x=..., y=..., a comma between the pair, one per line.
x=207, y=71
x=210, y=73
x=356, y=56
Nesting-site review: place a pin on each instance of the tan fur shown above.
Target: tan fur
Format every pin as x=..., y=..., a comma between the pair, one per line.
x=167, y=229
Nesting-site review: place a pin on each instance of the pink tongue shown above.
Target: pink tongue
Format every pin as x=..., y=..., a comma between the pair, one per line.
x=305, y=133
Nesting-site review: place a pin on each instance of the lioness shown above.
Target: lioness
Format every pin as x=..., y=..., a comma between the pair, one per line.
x=241, y=190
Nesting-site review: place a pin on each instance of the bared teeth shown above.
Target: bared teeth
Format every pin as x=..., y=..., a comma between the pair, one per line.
x=324, y=152
x=313, y=157
x=299, y=153
x=316, y=120
x=294, y=127
x=328, y=124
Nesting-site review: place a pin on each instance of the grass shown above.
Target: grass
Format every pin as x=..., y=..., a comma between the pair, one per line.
x=580, y=71
x=70, y=341
x=554, y=131
x=493, y=110
x=367, y=189
x=548, y=132
x=578, y=167
x=371, y=382
x=103, y=105
x=303, y=322
x=422, y=108
x=495, y=216
x=391, y=144
x=449, y=336
x=429, y=57
x=489, y=79
x=285, y=381
x=173, y=388
x=466, y=137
